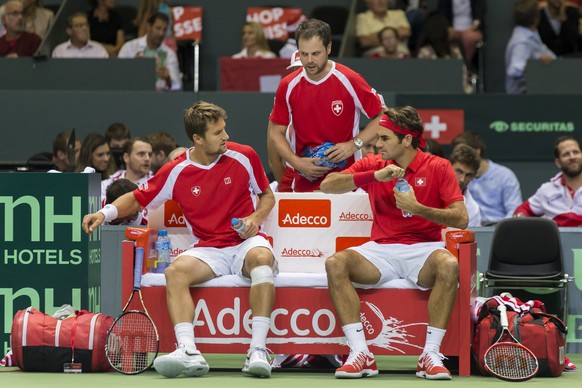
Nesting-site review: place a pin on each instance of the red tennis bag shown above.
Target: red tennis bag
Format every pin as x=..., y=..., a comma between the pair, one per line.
x=41, y=343
x=542, y=333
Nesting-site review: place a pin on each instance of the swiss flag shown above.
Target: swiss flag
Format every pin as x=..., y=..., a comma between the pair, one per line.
x=442, y=125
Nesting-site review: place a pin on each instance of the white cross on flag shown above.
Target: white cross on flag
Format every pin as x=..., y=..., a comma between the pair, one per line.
x=442, y=125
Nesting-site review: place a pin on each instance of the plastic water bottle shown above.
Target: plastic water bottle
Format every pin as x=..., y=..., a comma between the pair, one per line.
x=238, y=224
x=162, y=246
x=402, y=185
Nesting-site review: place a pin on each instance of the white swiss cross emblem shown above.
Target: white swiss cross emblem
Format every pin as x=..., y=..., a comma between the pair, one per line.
x=435, y=127
x=420, y=181
x=195, y=190
x=337, y=107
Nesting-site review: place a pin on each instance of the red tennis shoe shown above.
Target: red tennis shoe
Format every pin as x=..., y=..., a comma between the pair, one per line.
x=430, y=366
x=360, y=364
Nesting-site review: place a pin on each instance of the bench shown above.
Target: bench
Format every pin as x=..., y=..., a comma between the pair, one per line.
x=303, y=320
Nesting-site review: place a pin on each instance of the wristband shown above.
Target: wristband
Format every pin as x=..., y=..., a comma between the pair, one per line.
x=110, y=212
x=364, y=178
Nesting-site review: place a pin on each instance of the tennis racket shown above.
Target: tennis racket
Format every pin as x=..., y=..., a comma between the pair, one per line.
x=132, y=341
x=510, y=361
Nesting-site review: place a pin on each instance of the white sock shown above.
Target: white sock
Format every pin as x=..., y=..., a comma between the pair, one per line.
x=434, y=337
x=185, y=334
x=260, y=327
x=355, y=335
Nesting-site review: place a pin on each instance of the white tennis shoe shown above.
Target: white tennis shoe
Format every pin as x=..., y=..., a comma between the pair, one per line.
x=257, y=363
x=188, y=362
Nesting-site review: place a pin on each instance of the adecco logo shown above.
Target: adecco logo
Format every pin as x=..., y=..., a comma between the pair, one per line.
x=499, y=126
x=173, y=216
x=304, y=213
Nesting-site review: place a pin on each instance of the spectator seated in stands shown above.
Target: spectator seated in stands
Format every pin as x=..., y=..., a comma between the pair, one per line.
x=16, y=42
x=80, y=44
x=137, y=155
x=390, y=41
x=559, y=27
x=495, y=187
x=60, y=159
x=378, y=16
x=117, y=134
x=37, y=19
x=162, y=145
x=106, y=26
x=466, y=20
x=434, y=43
x=115, y=190
x=560, y=199
x=254, y=43
x=151, y=45
x=525, y=44
x=146, y=9
x=95, y=153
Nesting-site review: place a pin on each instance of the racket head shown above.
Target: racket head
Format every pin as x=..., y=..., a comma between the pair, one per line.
x=510, y=361
x=132, y=343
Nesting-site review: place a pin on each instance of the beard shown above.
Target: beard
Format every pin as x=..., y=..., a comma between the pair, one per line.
x=572, y=171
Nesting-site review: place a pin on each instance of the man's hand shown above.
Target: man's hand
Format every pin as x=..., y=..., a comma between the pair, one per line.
x=405, y=201
x=341, y=151
x=546, y=59
x=307, y=167
x=92, y=221
x=388, y=173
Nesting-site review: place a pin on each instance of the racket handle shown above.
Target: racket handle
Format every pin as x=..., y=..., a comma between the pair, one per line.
x=139, y=253
x=503, y=315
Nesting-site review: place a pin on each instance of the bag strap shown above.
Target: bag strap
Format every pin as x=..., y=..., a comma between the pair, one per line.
x=555, y=320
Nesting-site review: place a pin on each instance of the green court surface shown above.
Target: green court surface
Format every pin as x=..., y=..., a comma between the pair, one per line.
x=225, y=372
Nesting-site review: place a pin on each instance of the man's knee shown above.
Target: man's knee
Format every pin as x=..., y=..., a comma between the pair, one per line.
x=263, y=274
x=336, y=264
x=447, y=266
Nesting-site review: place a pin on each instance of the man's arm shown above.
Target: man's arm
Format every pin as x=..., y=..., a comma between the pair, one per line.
x=304, y=165
x=341, y=182
x=454, y=216
x=122, y=207
x=264, y=207
x=342, y=151
x=276, y=162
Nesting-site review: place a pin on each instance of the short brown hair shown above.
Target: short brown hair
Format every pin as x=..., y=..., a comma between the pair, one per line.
x=197, y=117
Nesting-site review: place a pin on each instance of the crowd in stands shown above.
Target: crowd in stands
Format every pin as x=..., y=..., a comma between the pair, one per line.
x=385, y=29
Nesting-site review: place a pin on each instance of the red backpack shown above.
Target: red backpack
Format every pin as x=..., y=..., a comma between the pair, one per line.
x=41, y=343
x=542, y=333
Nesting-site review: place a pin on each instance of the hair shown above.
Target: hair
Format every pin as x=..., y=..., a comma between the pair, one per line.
x=145, y=10
x=117, y=131
x=433, y=147
x=562, y=139
x=90, y=143
x=394, y=30
x=175, y=153
x=472, y=139
x=526, y=13
x=260, y=34
x=158, y=16
x=465, y=155
x=76, y=14
x=60, y=142
x=161, y=141
x=406, y=117
x=435, y=33
x=128, y=146
x=312, y=28
x=117, y=188
x=3, y=9
x=197, y=117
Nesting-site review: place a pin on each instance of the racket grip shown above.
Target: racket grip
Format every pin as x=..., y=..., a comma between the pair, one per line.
x=139, y=253
x=503, y=315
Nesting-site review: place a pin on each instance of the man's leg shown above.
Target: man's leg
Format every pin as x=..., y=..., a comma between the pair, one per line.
x=186, y=359
x=258, y=266
x=342, y=268
x=441, y=272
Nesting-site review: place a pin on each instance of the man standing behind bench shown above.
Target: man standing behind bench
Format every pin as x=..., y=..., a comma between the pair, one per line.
x=213, y=182
x=405, y=238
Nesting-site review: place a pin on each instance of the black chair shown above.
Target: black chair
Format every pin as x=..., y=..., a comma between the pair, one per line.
x=337, y=18
x=526, y=255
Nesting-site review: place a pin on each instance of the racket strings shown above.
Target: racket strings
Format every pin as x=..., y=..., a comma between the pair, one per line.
x=510, y=361
x=132, y=343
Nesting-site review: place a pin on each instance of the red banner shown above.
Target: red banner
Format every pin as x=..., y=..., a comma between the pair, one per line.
x=442, y=125
x=187, y=23
x=274, y=20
